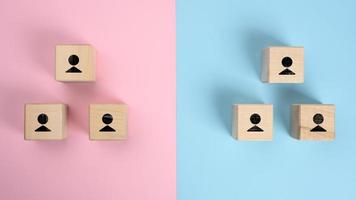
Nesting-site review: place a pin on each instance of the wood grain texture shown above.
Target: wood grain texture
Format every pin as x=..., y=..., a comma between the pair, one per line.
x=242, y=123
x=303, y=124
x=57, y=121
x=87, y=62
x=119, y=121
x=272, y=65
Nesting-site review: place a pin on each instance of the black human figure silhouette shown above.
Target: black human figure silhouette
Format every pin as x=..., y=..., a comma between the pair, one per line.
x=255, y=119
x=318, y=119
x=73, y=60
x=42, y=119
x=287, y=62
x=107, y=119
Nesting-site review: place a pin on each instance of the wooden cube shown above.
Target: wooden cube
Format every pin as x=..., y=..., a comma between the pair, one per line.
x=45, y=121
x=313, y=122
x=283, y=65
x=253, y=121
x=108, y=121
x=75, y=63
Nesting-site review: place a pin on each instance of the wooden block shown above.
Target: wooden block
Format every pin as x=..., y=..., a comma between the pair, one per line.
x=75, y=63
x=283, y=65
x=313, y=122
x=45, y=121
x=108, y=121
x=253, y=122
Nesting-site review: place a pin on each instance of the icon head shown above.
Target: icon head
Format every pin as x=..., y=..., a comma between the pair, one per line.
x=255, y=118
x=107, y=118
x=73, y=59
x=42, y=118
x=318, y=118
x=287, y=61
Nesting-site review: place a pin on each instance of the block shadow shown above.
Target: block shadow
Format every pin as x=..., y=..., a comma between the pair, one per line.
x=79, y=96
x=15, y=98
x=42, y=45
x=284, y=98
x=254, y=42
x=223, y=100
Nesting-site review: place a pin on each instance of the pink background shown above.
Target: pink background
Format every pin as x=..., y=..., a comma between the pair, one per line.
x=135, y=43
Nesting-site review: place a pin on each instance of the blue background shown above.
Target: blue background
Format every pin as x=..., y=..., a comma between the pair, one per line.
x=219, y=47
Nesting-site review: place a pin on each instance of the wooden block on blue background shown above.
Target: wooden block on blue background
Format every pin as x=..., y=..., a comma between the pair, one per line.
x=75, y=63
x=313, y=121
x=45, y=121
x=108, y=121
x=283, y=65
x=253, y=122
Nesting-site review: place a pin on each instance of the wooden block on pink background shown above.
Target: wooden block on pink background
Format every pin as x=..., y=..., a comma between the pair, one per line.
x=313, y=121
x=45, y=121
x=108, y=121
x=283, y=65
x=75, y=63
x=253, y=122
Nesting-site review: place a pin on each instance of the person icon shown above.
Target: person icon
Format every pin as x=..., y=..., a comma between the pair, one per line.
x=318, y=119
x=287, y=62
x=73, y=60
x=107, y=119
x=42, y=119
x=255, y=119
